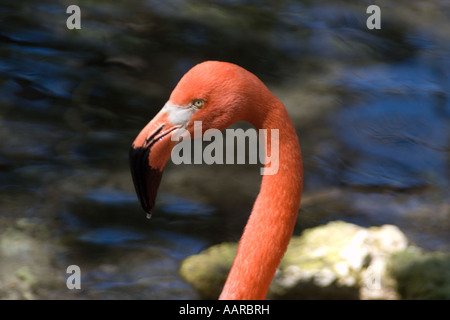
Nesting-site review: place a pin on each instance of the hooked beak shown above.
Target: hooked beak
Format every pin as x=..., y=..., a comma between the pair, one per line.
x=149, y=154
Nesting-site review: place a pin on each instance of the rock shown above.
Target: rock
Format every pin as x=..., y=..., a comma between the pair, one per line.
x=208, y=270
x=25, y=261
x=335, y=261
x=338, y=261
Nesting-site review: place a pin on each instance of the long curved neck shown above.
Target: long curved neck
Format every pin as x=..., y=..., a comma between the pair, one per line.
x=272, y=220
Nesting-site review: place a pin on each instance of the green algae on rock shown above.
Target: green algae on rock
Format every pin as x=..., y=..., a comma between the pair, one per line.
x=420, y=274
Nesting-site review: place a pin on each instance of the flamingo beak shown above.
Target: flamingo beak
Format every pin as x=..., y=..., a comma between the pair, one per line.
x=149, y=154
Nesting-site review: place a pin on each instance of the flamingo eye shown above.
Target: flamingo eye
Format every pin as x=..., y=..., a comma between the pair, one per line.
x=198, y=103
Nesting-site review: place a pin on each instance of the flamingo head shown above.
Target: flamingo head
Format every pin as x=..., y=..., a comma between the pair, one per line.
x=215, y=93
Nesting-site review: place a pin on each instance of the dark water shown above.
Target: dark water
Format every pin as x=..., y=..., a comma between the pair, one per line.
x=371, y=108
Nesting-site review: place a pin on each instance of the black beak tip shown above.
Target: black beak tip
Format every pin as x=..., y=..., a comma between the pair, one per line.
x=145, y=178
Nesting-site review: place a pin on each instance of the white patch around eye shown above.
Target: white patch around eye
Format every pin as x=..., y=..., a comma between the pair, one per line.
x=178, y=115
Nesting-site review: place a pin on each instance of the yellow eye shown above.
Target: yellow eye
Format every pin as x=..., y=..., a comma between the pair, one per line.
x=198, y=103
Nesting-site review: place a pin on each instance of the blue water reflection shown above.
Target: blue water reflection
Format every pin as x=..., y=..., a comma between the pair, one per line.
x=401, y=142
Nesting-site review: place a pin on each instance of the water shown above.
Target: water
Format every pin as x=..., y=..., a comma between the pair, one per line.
x=371, y=109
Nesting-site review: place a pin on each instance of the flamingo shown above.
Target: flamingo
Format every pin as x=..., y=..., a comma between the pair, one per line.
x=220, y=94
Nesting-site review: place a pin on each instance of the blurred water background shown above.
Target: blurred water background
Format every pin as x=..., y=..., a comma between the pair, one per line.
x=371, y=108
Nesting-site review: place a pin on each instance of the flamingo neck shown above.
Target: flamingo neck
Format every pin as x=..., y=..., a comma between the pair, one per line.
x=272, y=220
